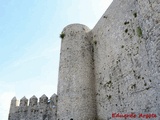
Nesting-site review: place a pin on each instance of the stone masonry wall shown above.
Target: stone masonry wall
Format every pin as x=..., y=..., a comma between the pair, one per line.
x=127, y=58
x=45, y=109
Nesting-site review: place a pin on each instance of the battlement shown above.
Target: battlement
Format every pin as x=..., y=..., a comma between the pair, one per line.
x=34, y=109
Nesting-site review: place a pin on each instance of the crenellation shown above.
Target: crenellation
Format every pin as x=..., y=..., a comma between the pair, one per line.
x=33, y=108
x=43, y=100
x=33, y=101
x=45, y=109
x=53, y=100
x=13, y=108
x=14, y=102
x=24, y=102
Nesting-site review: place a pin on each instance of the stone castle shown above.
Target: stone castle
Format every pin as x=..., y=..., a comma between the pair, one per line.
x=113, y=68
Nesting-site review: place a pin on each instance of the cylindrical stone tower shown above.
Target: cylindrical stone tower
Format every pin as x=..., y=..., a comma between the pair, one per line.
x=76, y=92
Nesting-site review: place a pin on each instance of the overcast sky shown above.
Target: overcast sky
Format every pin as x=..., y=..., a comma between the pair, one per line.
x=30, y=43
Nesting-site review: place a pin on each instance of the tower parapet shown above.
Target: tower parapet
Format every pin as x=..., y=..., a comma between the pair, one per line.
x=44, y=109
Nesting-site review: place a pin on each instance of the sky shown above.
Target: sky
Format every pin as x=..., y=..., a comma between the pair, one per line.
x=30, y=43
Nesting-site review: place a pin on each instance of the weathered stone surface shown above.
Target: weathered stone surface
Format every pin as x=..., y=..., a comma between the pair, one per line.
x=76, y=75
x=127, y=58
x=33, y=101
x=113, y=68
x=24, y=102
x=42, y=110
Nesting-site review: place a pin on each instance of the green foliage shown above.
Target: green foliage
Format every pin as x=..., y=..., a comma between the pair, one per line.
x=62, y=35
x=109, y=97
x=125, y=23
x=145, y=84
x=133, y=86
x=95, y=42
x=135, y=14
x=126, y=30
x=139, y=32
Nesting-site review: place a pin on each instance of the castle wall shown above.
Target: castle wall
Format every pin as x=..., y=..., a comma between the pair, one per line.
x=127, y=58
x=76, y=87
x=45, y=109
x=114, y=68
